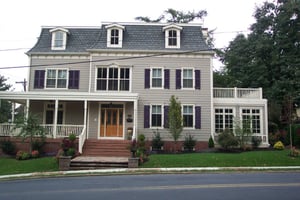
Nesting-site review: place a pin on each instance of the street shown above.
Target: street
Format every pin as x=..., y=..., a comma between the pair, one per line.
x=248, y=185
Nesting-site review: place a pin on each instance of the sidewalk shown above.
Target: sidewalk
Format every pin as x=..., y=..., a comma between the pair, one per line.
x=143, y=170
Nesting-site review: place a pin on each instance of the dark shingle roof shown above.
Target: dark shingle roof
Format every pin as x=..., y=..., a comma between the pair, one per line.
x=144, y=37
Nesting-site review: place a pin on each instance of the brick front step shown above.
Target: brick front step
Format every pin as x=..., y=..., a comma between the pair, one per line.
x=109, y=148
x=90, y=162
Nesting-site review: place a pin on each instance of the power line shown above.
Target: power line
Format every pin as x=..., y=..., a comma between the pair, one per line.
x=104, y=60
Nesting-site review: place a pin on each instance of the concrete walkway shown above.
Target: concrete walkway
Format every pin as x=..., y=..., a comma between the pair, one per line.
x=145, y=170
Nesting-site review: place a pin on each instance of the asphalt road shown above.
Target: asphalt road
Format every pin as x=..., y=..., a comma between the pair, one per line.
x=252, y=185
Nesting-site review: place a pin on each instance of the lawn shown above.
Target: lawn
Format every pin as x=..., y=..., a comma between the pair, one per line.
x=13, y=166
x=250, y=158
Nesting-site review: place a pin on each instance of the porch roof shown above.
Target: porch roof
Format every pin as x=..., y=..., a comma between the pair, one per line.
x=21, y=97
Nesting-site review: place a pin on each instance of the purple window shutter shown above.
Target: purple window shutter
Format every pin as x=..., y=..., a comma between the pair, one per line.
x=178, y=78
x=166, y=116
x=146, y=116
x=198, y=117
x=167, y=79
x=147, y=78
x=197, y=79
x=39, y=79
x=74, y=79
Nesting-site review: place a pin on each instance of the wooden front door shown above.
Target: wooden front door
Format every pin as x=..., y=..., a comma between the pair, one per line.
x=111, y=122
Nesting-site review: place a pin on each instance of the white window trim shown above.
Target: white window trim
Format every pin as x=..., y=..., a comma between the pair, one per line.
x=53, y=32
x=172, y=27
x=223, y=108
x=260, y=118
x=56, y=88
x=193, y=76
x=112, y=91
x=194, y=117
x=108, y=35
x=162, y=77
x=162, y=117
x=46, y=108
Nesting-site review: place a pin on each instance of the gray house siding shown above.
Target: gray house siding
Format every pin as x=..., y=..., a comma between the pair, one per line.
x=93, y=121
x=61, y=62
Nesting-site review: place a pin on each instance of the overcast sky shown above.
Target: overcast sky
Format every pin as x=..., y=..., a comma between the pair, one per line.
x=21, y=21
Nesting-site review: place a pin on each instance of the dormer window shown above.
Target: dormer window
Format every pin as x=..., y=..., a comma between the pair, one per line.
x=114, y=35
x=172, y=36
x=59, y=38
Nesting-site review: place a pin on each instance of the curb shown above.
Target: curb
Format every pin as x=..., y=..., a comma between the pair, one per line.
x=142, y=170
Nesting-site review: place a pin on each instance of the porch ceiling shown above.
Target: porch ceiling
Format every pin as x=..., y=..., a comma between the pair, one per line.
x=20, y=97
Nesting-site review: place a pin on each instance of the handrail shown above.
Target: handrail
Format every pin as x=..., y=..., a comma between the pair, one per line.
x=246, y=93
x=82, y=138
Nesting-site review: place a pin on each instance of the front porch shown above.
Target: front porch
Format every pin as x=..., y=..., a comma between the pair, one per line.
x=86, y=115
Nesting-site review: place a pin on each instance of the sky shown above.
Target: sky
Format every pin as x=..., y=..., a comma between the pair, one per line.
x=21, y=22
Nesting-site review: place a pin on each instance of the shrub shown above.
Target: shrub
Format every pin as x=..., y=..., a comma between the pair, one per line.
x=8, y=147
x=294, y=152
x=38, y=144
x=71, y=152
x=189, y=143
x=141, y=149
x=278, y=145
x=227, y=140
x=72, y=137
x=157, y=142
x=22, y=155
x=211, y=143
x=256, y=141
x=35, y=154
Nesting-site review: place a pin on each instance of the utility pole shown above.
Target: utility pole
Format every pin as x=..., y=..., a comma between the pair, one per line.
x=24, y=83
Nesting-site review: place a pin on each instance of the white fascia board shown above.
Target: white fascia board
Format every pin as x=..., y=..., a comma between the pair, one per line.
x=74, y=96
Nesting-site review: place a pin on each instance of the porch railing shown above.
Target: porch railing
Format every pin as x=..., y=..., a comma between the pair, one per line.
x=81, y=140
x=8, y=129
x=247, y=93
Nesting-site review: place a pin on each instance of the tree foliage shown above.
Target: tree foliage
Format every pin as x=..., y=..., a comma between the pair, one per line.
x=268, y=57
x=175, y=118
x=175, y=16
x=5, y=106
x=30, y=128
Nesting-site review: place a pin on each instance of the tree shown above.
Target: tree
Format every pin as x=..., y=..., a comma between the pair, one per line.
x=30, y=128
x=268, y=57
x=5, y=106
x=175, y=16
x=175, y=119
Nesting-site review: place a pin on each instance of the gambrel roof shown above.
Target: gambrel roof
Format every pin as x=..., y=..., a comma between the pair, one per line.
x=136, y=37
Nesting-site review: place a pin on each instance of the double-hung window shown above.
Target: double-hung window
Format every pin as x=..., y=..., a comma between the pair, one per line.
x=188, y=78
x=157, y=78
x=113, y=79
x=114, y=37
x=56, y=78
x=156, y=116
x=188, y=116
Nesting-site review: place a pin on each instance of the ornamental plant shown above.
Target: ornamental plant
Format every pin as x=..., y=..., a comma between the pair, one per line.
x=278, y=145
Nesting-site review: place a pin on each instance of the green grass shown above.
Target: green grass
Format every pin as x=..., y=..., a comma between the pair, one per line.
x=13, y=166
x=251, y=158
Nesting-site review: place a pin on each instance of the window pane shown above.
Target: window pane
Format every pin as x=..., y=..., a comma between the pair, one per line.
x=61, y=83
x=187, y=78
x=101, y=84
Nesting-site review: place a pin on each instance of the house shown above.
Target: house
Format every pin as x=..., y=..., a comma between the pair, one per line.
x=114, y=82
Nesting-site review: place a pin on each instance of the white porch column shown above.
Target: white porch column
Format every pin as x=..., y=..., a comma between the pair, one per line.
x=266, y=134
x=135, y=121
x=13, y=107
x=27, y=108
x=85, y=116
x=55, y=119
